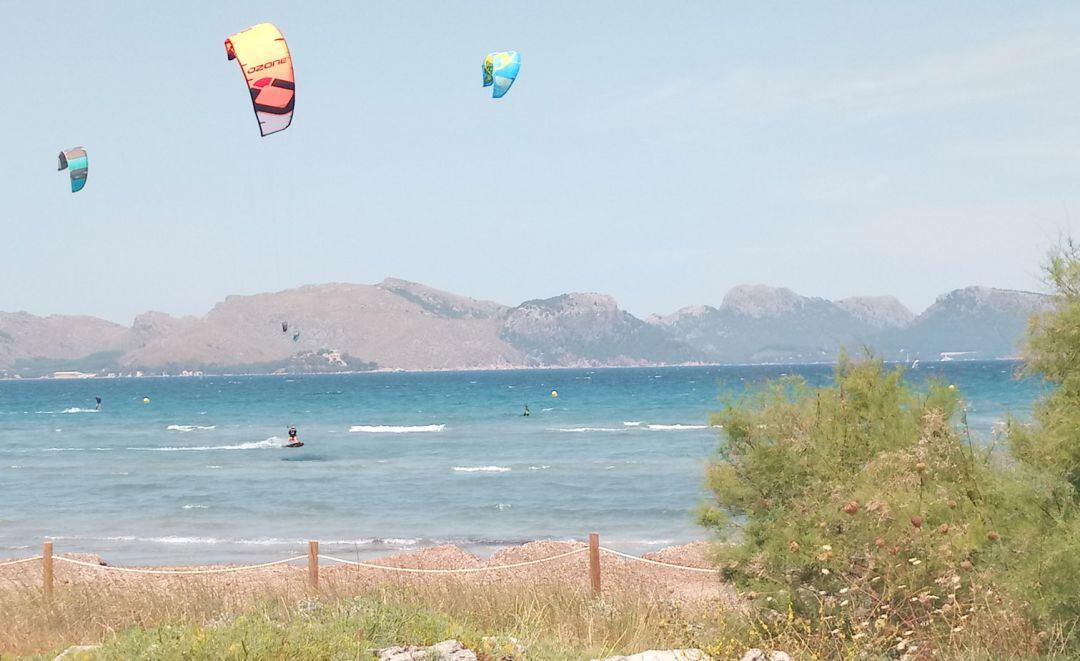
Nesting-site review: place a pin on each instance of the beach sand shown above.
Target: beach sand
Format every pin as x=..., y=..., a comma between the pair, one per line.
x=619, y=577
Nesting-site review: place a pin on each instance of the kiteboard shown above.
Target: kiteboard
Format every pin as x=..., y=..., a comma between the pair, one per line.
x=298, y=444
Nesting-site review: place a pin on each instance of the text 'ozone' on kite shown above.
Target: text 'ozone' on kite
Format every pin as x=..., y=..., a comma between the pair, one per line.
x=267, y=65
x=500, y=70
x=75, y=161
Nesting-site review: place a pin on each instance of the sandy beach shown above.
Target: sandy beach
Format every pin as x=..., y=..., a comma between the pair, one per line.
x=619, y=576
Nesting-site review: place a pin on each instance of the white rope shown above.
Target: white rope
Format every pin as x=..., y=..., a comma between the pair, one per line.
x=658, y=563
x=470, y=570
x=19, y=562
x=220, y=570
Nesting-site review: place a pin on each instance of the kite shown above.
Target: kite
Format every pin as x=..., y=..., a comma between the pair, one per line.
x=267, y=65
x=74, y=159
x=500, y=70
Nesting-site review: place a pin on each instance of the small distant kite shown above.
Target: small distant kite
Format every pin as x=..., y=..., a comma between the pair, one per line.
x=267, y=65
x=74, y=159
x=500, y=70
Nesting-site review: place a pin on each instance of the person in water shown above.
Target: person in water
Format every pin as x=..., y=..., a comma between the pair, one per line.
x=98, y=407
x=293, y=440
x=527, y=413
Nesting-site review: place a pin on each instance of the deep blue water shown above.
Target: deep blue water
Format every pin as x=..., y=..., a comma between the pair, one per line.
x=198, y=474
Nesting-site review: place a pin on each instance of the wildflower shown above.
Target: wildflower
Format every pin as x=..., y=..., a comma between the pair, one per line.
x=921, y=467
x=879, y=542
x=793, y=546
x=952, y=504
x=825, y=571
x=844, y=603
x=993, y=536
x=943, y=528
x=917, y=521
x=965, y=565
x=852, y=507
x=957, y=629
x=826, y=547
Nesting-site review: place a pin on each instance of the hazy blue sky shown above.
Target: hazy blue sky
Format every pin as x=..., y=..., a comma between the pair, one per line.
x=661, y=152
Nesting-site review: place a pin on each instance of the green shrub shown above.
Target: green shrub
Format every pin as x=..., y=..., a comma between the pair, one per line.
x=864, y=515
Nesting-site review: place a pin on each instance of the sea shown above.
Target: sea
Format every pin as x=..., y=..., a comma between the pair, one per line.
x=175, y=471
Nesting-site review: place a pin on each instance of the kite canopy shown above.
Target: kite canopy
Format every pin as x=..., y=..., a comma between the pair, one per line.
x=264, y=58
x=74, y=159
x=500, y=70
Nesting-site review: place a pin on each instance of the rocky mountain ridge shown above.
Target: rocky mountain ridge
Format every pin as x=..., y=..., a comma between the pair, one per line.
x=397, y=324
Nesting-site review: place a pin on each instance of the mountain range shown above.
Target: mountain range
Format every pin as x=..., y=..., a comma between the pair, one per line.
x=398, y=324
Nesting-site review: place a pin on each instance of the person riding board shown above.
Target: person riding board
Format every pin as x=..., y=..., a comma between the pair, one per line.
x=294, y=442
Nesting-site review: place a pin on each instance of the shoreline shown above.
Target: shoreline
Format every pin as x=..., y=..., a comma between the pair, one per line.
x=488, y=369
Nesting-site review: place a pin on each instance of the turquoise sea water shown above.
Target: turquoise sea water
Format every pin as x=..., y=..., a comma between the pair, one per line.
x=392, y=461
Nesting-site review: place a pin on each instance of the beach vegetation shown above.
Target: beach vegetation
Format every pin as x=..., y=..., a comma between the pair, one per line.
x=867, y=518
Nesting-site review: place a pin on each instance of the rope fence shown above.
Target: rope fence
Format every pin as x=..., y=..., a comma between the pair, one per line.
x=593, y=549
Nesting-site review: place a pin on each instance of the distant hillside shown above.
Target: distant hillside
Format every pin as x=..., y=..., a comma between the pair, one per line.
x=398, y=324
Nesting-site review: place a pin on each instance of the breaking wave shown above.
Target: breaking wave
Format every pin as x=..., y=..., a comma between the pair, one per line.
x=395, y=429
x=481, y=469
x=675, y=427
x=186, y=428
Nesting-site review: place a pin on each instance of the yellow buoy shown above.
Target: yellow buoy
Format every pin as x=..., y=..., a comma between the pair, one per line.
x=952, y=386
x=554, y=393
x=145, y=400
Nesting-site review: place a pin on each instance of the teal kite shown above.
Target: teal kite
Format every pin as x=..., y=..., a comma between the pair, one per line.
x=500, y=70
x=74, y=159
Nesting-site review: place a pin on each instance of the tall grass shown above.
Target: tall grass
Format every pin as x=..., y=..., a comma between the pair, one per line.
x=197, y=620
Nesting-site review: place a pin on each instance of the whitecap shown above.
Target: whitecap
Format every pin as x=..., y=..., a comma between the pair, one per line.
x=632, y=423
x=585, y=430
x=187, y=428
x=76, y=409
x=395, y=429
x=539, y=468
x=675, y=427
x=481, y=469
x=196, y=507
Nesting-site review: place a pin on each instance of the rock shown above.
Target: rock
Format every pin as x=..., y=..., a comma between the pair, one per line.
x=447, y=650
x=75, y=652
x=502, y=648
x=761, y=655
x=663, y=655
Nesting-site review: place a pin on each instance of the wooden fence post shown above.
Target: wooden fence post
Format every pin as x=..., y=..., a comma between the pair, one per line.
x=47, y=570
x=313, y=563
x=594, y=563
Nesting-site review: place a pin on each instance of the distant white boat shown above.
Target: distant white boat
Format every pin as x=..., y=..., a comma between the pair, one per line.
x=915, y=365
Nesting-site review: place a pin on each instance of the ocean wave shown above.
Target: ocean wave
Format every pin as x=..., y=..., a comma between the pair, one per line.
x=196, y=507
x=539, y=468
x=481, y=469
x=585, y=430
x=395, y=429
x=632, y=423
x=272, y=442
x=76, y=409
x=186, y=428
x=675, y=427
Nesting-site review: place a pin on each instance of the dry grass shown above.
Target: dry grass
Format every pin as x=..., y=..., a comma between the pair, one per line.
x=547, y=606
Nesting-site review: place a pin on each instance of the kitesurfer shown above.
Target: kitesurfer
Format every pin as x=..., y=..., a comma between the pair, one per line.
x=294, y=442
x=527, y=413
x=98, y=400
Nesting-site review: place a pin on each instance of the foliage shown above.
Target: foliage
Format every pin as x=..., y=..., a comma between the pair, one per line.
x=864, y=512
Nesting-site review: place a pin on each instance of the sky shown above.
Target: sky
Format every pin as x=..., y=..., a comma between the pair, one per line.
x=658, y=152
